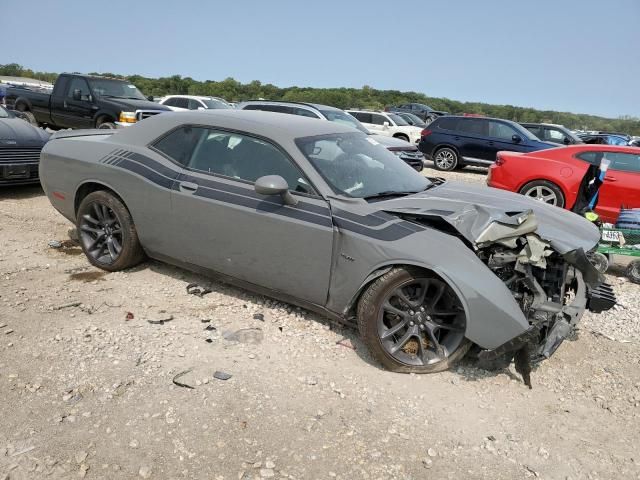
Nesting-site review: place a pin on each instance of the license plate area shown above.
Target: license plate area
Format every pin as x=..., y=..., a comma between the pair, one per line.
x=16, y=172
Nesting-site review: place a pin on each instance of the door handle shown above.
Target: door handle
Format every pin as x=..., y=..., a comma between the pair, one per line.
x=456, y=138
x=610, y=179
x=490, y=143
x=188, y=187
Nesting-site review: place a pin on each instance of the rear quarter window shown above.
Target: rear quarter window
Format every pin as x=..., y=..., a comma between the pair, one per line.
x=446, y=123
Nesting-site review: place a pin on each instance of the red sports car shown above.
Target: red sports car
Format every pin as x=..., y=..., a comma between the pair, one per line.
x=555, y=176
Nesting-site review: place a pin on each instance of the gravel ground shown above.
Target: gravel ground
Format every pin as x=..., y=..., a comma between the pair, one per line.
x=87, y=382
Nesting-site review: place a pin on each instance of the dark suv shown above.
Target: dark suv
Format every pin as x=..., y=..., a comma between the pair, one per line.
x=453, y=142
x=420, y=110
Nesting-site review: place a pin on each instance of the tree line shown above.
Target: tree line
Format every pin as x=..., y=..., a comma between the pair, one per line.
x=365, y=97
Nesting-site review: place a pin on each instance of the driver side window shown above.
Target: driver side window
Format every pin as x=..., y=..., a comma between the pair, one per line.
x=81, y=85
x=231, y=155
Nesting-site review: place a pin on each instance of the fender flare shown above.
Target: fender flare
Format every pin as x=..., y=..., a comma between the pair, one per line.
x=520, y=323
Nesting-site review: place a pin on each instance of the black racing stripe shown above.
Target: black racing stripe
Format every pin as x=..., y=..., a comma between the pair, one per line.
x=248, y=192
x=263, y=206
x=371, y=220
x=393, y=232
x=228, y=197
x=146, y=172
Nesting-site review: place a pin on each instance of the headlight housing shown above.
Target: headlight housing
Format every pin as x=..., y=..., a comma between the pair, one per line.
x=128, y=117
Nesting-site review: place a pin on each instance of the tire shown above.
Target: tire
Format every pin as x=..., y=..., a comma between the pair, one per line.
x=29, y=117
x=106, y=125
x=402, y=137
x=544, y=191
x=599, y=260
x=633, y=271
x=445, y=159
x=108, y=236
x=415, y=341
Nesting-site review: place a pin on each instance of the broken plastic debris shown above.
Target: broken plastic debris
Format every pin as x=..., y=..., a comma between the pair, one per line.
x=195, y=289
x=345, y=342
x=222, y=375
x=210, y=328
x=161, y=321
x=55, y=244
x=258, y=316
x=129, y=316
x=179, y=375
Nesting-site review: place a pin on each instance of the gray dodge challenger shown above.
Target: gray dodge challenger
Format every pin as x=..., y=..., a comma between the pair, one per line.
x=322, y=216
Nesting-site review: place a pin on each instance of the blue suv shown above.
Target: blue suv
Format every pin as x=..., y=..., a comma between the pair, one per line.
x=453, y=142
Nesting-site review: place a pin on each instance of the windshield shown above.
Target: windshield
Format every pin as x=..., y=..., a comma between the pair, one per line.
x=399, y=121
x=413, y=120
x=343, y=118
x=115, y=88
x=213, y=103
x=357, y=166
x=524, y=132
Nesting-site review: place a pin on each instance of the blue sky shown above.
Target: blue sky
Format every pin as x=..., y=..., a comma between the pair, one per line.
x=569, y=55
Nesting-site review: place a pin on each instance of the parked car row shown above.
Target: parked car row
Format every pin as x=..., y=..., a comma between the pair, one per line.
x=396, y=144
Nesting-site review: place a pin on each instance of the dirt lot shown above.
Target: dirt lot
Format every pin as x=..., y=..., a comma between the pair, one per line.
x=86, y=392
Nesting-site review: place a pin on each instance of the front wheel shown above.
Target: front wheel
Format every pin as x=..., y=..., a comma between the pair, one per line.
x=107, y=234
x=445, y=159
x=544, y=191
x=107, y=126
x=633, y=271
x=412, y=321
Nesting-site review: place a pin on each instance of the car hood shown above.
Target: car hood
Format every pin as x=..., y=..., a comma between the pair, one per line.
x=22, y=133
x=484, y=215
x=131, y=104
x=392, y=142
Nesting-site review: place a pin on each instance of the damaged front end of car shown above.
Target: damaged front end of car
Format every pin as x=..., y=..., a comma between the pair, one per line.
x=552, y=284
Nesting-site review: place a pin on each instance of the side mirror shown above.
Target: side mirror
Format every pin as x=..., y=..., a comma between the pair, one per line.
x=275, y=185
x=516, y=139
x=201, y=108
x=150, y=98
x=566, y=141
x=385, y=124
x=77, y=94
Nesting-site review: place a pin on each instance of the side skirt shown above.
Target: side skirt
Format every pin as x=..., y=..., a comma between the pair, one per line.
x=252, y=287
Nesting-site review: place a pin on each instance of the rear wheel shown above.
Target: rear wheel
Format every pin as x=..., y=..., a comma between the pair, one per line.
x=107, y=234
x=29, y=117
x=412, y=321
x=445, y=159
x=544, y=191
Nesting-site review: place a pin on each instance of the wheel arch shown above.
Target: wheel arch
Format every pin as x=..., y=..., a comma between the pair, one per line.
x=380, y=270
x=568, y=201
x=91, y=186
x=401, y=135
x=22, y=104
x=105, y=116
x=440, y=146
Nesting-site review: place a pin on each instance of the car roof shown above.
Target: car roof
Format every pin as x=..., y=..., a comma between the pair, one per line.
x=587, y=147
x=544, y=124
x=195, y=97
x=285, y=102
x=276, y=126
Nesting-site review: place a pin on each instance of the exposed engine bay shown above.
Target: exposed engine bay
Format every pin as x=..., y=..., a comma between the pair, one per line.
x=553, y=286
x=550, y=288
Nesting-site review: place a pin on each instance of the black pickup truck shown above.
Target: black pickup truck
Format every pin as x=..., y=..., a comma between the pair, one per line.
x=83, y=101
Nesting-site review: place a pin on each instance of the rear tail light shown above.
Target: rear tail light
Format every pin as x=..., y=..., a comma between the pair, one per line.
x=499, y=160
x=426, y=132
